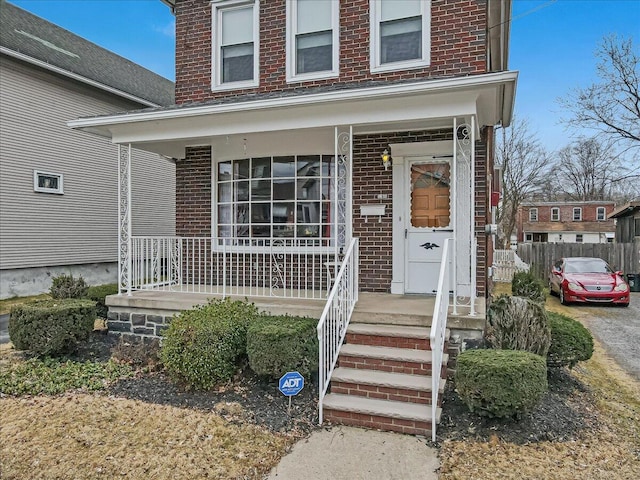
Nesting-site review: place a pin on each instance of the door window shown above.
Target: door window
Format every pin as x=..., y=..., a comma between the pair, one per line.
x=430, y=189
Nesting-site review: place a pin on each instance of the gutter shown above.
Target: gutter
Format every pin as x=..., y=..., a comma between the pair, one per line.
x=75, y=76
x=486, y=80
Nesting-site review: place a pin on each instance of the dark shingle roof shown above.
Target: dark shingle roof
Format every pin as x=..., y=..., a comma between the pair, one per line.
x=32, y=36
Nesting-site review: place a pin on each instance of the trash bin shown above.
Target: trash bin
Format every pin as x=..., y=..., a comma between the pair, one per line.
x=633, y=279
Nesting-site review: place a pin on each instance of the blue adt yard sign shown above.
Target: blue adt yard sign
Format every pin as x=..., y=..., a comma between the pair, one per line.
x=291, y=383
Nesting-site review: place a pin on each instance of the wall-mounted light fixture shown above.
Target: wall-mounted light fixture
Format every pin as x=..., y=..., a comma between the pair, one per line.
x=386, y=158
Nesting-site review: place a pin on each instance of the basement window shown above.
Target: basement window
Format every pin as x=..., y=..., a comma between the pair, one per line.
x=45, y=182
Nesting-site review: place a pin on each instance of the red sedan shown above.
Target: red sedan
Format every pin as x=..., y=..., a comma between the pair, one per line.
x=587, y=280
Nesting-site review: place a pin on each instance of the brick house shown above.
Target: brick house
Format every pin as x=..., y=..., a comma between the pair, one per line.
x=566, y=222
x=329, y=152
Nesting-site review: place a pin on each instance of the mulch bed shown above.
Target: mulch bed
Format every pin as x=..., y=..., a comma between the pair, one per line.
x=566, y=410
x=261, y=401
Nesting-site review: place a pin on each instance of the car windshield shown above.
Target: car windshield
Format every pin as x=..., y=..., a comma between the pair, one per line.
x=587, y=266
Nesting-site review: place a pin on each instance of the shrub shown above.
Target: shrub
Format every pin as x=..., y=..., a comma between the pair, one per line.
x=98, y=293
x=280, y=344
x=66, y=286
x=202, y=346
x=500, y=383
x=570, y=341
x=525, y=284
x=51, y=327
x=517, y=323
x=49, y=376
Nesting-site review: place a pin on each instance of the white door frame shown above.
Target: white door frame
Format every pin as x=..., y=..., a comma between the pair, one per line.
x=401, y=153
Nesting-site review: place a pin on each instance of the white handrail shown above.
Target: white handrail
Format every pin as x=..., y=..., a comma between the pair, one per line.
x=335, y=318
x=438, y=330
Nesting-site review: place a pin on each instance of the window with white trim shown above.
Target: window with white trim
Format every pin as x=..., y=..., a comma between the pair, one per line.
x=312, y=39
x=528, y=237
x=533, y=214
x=400, y=34
x=577, y=214
x=555, y=214
x=45, y=182
x=579, y=238
x=601, y=214
x=235, y=44
x=277, y=197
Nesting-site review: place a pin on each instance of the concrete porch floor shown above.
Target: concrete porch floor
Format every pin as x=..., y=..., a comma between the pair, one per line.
x=381, y=308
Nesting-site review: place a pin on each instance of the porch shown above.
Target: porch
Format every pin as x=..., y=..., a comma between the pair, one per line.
x=148, y=312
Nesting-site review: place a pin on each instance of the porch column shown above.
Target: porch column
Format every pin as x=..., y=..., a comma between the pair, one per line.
x=343, y=185
x=464, y=211
x=124, y=218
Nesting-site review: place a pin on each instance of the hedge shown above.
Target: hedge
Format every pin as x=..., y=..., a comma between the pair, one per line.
x=202, y=346
x=51, y=327
x=280, y=344
x=571, y=342
x=500, y=383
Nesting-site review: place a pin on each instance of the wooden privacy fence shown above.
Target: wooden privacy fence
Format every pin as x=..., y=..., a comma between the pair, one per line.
x=621, y=256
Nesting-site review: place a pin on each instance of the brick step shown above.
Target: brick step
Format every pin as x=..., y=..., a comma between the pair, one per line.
x=397, y=387
x=408, y=418
x=389, y=359
x=396, y=336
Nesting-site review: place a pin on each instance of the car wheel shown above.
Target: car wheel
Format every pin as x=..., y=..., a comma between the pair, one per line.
x=551, y=292
x=563, y=301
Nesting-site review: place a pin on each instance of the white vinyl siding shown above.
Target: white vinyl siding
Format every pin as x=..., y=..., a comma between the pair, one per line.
x=80, y=226
x=312, y=39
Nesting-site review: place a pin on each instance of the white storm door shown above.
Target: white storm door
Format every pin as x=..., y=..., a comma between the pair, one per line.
x=429, y=223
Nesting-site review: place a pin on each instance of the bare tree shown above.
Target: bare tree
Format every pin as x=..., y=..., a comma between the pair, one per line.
x=522, y=162
x=590, y=169
x=612, y=105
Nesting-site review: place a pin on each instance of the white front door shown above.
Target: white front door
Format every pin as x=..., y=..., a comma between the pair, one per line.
x=428, y=221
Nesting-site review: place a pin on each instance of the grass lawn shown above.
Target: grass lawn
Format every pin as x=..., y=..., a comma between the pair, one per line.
x=610, y=452
x=96, y=437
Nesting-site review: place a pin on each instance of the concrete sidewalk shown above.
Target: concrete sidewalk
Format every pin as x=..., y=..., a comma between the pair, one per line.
x=347, y=453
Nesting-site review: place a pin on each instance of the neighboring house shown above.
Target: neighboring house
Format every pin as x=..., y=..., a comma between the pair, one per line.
x=566, y=222
x=627, y=218
x=59, y=187
x=328, y=151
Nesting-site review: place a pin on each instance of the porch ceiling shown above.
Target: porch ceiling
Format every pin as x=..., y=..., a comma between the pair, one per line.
x=306, y=122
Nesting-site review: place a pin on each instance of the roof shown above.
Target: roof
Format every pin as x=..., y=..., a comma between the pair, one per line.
x=37, y=41
x=625, y=210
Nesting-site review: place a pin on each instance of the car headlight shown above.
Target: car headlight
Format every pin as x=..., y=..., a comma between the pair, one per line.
x=574, y=286
x=621, y=287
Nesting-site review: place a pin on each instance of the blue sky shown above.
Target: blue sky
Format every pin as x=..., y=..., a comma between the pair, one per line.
x=552, y=44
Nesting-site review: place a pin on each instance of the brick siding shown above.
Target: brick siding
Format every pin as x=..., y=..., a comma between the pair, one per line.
x=458, y=47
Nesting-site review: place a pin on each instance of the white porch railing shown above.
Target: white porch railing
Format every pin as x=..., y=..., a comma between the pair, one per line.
x=438, y=331
x=256, y=267
x=335, y=318
x=505, y=264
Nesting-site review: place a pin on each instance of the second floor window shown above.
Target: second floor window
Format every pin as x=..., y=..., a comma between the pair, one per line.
x=577, y=214
x=235, y=45
x=555, y=214
x=533, y=214
x=400, y=34
x=312, y=39
x=601, y=214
